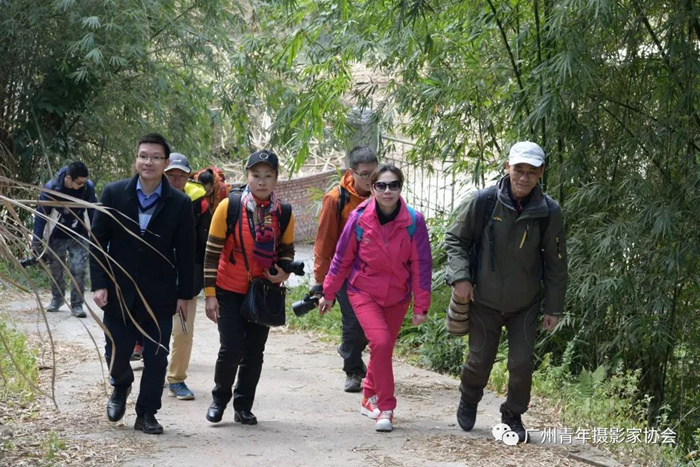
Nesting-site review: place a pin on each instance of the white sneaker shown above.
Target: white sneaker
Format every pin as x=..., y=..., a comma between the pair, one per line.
x=369, y=407
x=384, y=421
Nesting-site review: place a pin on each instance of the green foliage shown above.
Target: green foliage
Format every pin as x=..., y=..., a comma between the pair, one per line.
x=606, y=88
x=596, y=399
x=437, y=350
x=86, y=79
x=18, y=365
x=30, y=278
x=329, y=324
x=52, y=444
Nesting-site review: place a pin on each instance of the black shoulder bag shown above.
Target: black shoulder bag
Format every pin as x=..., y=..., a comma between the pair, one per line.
x=265, y=302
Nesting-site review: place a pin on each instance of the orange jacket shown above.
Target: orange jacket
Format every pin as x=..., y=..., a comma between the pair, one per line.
x=232, y=276
x=329, y=228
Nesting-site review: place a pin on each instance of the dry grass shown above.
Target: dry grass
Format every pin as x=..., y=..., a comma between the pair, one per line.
x=485, y=452
x=36, y=433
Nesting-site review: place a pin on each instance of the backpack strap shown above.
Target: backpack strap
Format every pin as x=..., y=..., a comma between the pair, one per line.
x=343, y=198
x=285, y=216
x=359, y=231
x=233, y=213
x=485, y=204
x=544, y=221
x=411, y=228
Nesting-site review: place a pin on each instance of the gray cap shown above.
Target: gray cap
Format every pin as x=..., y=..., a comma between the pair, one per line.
x=179, y=161
x=526, y=152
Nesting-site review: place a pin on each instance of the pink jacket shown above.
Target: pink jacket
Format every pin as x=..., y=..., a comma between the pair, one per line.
x=387, y=264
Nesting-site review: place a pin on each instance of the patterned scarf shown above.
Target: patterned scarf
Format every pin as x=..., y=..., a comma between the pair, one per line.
x=264, y=250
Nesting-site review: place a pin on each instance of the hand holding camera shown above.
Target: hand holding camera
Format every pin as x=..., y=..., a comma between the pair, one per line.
x=324, y=306
x=36, y=253
x=37, y=247
x=290, y=267
x=309, y=302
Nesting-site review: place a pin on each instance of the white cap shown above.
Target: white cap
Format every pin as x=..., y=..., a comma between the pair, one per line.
x=526, y=152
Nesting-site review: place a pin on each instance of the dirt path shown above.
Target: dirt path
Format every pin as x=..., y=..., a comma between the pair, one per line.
x=305, y=419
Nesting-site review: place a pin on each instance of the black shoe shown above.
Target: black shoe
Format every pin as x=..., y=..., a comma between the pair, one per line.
x=245, y=417
x=215, y=412
x=515, y=423
x=353, y=382
x=148, y=424
x=466, y=415
x=117, y=403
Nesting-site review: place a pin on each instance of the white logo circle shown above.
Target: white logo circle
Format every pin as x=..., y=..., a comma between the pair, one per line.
x=499, y=430
x=510, y=438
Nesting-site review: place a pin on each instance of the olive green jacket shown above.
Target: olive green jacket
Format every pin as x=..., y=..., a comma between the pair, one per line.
x=524, y=266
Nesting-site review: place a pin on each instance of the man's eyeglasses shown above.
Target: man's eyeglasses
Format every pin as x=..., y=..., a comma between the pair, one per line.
x=150, y=158
x=363, y=175
x=393, y=186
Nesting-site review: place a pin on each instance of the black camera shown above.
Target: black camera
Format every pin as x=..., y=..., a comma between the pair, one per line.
x=30, y=261
x=309, y=302
x=290, y=267
x=303, y=306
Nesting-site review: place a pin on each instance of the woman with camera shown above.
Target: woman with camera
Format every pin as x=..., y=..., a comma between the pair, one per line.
x=384, y=252
x=235, y=256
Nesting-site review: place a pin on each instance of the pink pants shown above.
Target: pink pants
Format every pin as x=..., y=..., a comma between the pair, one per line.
x=381, y=326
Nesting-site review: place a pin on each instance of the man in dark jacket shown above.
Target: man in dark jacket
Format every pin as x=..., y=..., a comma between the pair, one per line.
x=520, y=264
x=65, y=229
x=142, y=274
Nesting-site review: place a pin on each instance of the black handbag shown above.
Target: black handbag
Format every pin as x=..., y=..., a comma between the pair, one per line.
x=265, y=302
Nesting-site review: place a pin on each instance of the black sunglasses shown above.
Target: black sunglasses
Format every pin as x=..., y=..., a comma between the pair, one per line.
x=393, y=186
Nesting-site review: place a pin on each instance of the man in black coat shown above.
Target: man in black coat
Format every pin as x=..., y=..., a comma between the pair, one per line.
x=146, y=277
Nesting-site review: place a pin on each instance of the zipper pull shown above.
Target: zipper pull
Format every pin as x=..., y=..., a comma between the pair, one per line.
x=522, y=242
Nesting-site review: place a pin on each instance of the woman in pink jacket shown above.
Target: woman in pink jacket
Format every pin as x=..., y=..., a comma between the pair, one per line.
x=384, y=252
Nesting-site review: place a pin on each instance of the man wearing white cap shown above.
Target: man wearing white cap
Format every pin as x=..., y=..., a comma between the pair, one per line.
x=506, y=256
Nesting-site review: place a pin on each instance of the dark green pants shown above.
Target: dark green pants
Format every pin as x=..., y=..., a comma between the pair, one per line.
x=484, y=336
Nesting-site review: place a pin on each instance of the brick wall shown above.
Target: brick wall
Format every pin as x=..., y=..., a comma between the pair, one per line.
x=298, y=193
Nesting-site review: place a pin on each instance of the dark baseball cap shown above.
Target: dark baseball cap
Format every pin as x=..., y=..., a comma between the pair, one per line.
x=263, y=157
x=179, y=161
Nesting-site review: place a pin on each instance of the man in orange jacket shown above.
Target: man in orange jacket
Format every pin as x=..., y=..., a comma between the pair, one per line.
x=338, y=203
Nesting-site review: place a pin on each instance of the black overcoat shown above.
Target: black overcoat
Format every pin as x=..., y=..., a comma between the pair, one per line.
x=163, y=273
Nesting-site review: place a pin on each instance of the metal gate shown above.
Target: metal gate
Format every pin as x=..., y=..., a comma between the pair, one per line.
x=433, y=188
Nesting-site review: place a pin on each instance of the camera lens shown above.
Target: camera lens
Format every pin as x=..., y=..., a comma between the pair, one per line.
x=292, y=267
x=302, y=307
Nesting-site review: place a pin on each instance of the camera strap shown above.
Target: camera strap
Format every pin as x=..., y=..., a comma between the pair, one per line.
x=245, y=256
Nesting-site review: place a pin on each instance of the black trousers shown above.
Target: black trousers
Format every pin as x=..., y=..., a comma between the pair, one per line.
x=241, y=351
x=155, y=357
x=484, y=336
x=354, y=340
